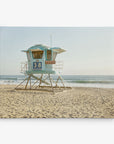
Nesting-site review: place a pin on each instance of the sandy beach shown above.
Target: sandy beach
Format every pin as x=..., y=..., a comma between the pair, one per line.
x=71, y=103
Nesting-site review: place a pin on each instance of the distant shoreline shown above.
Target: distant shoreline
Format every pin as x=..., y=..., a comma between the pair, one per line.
x=106, y=81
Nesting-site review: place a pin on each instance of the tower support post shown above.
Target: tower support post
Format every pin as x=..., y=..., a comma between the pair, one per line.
x=51, y=83
x=27, y=81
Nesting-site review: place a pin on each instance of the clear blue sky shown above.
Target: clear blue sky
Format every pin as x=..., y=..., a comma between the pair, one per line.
x=90, y=51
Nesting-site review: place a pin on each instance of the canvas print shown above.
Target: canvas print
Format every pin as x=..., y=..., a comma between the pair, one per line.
x=56, y=72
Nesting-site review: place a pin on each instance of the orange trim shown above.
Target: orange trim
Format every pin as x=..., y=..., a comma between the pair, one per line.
x=50, y=62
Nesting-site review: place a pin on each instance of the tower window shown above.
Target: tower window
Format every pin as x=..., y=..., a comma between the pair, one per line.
x=48, y=54
x=37, y=54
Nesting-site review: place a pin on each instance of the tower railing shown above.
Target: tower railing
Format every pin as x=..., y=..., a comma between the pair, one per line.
x=24, y=67
x=58, y=67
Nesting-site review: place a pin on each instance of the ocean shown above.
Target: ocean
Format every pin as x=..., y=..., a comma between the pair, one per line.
x=100, y=81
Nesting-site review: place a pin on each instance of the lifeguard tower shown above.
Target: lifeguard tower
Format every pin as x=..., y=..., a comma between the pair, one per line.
x=40, y=62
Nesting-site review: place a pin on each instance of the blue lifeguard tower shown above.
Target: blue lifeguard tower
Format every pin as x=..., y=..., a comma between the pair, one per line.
x=41, y=58
x=40, y=61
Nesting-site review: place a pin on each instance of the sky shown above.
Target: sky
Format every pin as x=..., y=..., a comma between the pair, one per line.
x=89, y=50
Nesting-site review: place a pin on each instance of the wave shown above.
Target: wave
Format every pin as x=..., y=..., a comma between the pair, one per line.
x=67, y=78
x=90, y=81
x=8, y=78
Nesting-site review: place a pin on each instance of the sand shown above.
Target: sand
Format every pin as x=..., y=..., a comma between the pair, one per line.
x=71, y=103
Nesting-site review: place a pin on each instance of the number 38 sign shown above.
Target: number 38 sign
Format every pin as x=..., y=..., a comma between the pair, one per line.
x=37, y=65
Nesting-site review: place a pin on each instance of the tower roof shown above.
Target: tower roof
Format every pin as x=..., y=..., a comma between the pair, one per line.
x=39, y=47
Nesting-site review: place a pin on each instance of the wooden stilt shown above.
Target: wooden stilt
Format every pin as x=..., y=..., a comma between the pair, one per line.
x=21, y=83
x=27, y=82
x=40, y=80
x=34, y=83
x=61, y=80
x=57, y=81
x=46, y=77
x=51, y=83
x=43, y=81
x=30, y=82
